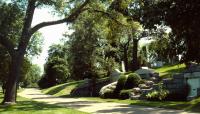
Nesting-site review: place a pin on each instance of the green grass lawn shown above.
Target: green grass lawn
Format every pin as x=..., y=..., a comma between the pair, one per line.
x=168, y=70
x=192, y=106
x=27, y=106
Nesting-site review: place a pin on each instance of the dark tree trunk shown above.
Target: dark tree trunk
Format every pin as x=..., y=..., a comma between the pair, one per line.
x=126, y=57
x=18, y=55
x=11, y=84
x=135, y=64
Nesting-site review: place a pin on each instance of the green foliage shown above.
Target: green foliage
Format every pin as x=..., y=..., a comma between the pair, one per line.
x=160, y=94
x=86, y=44
x=11, y=22
x=124, y=94
x=126, y=82
x=120, y=84
x=32, y=77
x=35, y=45
x=157, y=95
x=56, y=72
x=168, y=12
x=132, y=81
x=56, y=68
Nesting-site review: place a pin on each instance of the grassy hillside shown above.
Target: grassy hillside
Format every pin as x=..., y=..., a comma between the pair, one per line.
x=63, y=90
x=168, y=70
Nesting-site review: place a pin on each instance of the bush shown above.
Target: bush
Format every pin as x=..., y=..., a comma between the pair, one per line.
x=120, y=84
x=124, y=94
x=43, y=83
x=132, y=81
x=157, y=95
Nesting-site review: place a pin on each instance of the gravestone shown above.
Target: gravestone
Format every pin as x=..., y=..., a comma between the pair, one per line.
x=123, y=67
x=115, y=75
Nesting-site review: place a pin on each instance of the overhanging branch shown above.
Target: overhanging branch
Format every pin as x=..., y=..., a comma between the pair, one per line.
x=72, y=17
x=108, y=15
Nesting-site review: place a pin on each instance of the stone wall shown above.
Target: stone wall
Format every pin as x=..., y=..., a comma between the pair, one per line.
x=176, y=84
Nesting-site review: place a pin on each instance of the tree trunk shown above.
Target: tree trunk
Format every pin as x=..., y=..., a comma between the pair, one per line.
x=14, y=74
x=135, y=64
x=126, y=58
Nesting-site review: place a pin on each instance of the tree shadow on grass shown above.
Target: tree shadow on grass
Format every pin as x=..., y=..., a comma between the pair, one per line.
x=128, y=109
x=26, y=105
x=77, y=104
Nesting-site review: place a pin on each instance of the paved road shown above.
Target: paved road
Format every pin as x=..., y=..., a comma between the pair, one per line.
x=95, y=107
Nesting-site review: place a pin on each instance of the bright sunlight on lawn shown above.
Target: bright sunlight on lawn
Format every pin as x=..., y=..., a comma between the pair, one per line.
x=25, y=106
x=168, y=70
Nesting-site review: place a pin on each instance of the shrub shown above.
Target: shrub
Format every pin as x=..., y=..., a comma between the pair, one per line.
x=124, y=94
x=120, y=84
x=43, y=83
x=157, y=95
x=132, y=81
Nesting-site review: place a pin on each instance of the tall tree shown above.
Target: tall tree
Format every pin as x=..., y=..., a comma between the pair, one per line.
x=89, y=31
x=181, y=15
x=17, y=52
x=56, y=68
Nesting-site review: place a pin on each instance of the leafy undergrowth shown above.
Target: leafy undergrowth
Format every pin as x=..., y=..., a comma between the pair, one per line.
x=63, y=90
x=27, y=106
x=167, y=70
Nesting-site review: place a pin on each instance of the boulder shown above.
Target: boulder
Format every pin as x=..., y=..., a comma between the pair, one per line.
x=136, y=90
x=149, y=83
x=134, y=97
x=143, y=86
x=109, y=87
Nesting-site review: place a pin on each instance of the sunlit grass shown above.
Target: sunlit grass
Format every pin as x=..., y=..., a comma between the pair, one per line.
x=180, y=105
x=27, y=106
x=169, y=70
x=62, y=90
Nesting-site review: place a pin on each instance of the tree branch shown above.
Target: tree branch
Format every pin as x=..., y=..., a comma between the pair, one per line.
x=109, y=16
x=72, y=17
